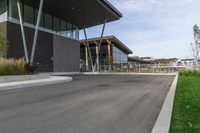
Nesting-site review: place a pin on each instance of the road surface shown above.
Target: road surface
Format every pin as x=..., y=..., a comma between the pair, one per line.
x=89, y=104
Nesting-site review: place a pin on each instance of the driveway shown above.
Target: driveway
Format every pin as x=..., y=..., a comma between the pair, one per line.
x=89, y=104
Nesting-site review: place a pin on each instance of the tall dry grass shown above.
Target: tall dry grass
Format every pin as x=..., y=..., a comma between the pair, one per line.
x=12, y=66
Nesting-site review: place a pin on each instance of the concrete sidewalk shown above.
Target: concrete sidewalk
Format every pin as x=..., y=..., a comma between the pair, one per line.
x=36, y=82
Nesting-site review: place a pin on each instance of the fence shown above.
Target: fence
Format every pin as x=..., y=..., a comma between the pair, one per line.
x=136, y=68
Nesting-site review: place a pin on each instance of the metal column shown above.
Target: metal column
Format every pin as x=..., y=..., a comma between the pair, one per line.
x=36, y=31
x=22, y=30
x=90, y=56
x=97, y=55
x=101, y=39
x=109, y=56
x=86, y=58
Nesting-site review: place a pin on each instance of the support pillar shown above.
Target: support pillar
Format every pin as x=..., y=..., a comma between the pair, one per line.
x=101, y=39
x=22, y=31
x=109, y=56
x=97, y=60
x=88, y=48
x=36, y=31
x=86, y=58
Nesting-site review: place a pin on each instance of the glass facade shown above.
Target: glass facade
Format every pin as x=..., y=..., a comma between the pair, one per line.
x=119, y=57
x=3, y=6
x=104, y=60
x=93, y=53
x=103, y=54
x=48, y=22
x=28, y=14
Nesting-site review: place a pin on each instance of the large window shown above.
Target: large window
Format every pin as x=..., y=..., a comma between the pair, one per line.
x=69, y=30
x=3, y=6
x=56, y=24
x=42, y=18
x=119, y=57
x=104, y=55
x=63, y=28
x=13, y=11
x=75, y=32
x=48, y=22
x=28, y=14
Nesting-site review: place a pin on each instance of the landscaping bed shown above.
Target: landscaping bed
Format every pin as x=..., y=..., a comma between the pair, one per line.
x=12, y=67
x=186, y=111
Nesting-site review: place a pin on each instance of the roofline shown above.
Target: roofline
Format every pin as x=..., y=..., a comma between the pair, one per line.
x=165, y=59
x=81, y=18
x=129, y=50
x=110, y=37
x=186, y=59
x=111, y=7
x=139, y=60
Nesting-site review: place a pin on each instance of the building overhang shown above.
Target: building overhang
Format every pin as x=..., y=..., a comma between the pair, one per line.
x=109, y=39
x=83, y=13
x=139, y=61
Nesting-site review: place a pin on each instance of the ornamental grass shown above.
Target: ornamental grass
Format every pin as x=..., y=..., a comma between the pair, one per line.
x=12, y=67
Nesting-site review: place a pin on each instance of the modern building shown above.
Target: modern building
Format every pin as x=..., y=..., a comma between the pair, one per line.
x=150, y=60
x=138, y=60
x=46, y=32
x=166, y=61
x=147, y=58
x=113, y=53
x=187, y=63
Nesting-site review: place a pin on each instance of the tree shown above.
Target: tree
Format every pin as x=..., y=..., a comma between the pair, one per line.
x=196, y=46
x=3, y=45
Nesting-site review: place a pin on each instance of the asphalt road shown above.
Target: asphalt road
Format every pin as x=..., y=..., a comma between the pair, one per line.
x=89, y=104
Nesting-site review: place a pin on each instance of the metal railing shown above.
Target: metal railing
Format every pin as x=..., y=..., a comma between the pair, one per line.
x=135, y=68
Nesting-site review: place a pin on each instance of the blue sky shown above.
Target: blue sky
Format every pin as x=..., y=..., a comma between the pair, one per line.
x=155, y=28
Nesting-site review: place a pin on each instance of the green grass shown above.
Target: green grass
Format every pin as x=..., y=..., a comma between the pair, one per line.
x=186, y=111
x=192, y=73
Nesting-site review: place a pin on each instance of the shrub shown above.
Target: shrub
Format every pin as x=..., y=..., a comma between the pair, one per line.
x=12, y=66
x=195, y=73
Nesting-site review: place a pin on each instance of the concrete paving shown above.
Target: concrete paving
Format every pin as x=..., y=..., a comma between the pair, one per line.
x=88, y=104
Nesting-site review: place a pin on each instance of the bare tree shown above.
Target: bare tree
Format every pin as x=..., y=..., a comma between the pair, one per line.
x=196, y=46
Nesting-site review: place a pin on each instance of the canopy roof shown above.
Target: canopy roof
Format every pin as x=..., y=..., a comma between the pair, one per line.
x=111, y=39
x=82, y=13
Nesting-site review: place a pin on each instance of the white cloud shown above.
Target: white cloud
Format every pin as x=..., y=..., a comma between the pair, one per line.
x=164, y=27
x=134, y=5
x=158, y=28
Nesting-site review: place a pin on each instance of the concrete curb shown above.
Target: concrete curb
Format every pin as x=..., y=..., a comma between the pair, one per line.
x=62, y=73
x=117, y=73
x=163, y=122
x=31, y=83
x=17, y=78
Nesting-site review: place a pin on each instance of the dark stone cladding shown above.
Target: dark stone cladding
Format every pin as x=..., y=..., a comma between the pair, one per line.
x=44, y=48
x=53, y=53
x=66, y=57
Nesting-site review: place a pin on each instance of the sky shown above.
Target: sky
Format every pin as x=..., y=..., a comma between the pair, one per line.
x=154, y=28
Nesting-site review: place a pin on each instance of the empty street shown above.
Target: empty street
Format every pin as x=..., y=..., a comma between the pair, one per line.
x=89, y=104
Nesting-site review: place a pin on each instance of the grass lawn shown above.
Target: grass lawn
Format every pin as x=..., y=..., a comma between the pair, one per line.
x=186, y=111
